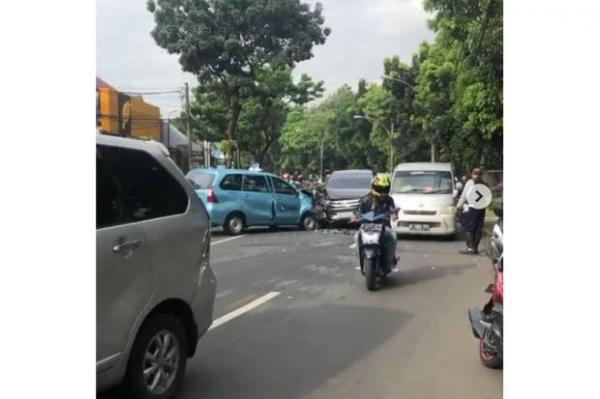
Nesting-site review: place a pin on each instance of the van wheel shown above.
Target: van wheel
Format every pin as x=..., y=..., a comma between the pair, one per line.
x=158, y=359
x=234, y=224
x=308, y=222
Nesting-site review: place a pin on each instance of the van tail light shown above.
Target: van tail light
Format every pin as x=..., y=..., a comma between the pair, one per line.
x=212, y=197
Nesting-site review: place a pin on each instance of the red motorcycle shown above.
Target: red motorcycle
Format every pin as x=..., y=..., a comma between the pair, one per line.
x=487, y=323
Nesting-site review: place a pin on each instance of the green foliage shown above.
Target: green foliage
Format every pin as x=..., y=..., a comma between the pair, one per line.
x=244, y=52
x=228, y=44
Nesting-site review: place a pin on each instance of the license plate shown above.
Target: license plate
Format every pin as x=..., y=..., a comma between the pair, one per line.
x=343, y=215
x=372, y=227
x=419, y=227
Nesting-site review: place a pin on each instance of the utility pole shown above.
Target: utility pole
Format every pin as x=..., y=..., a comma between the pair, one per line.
x=432, y=151
x=187, y=110
x=321, y=145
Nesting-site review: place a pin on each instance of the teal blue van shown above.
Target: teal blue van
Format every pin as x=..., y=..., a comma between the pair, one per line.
x=236, y=199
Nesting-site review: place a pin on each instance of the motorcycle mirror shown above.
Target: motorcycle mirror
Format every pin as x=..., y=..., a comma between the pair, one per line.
x=499, y=208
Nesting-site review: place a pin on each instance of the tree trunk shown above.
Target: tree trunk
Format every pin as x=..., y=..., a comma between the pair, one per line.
x=263, y=152
x=236, y=107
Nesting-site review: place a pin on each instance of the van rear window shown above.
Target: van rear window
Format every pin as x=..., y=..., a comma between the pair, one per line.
x=349, y=181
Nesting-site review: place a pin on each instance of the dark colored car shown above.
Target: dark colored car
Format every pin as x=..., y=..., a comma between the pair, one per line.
x=342, y=192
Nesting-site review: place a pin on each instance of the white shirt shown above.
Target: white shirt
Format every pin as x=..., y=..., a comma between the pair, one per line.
x=463, y=197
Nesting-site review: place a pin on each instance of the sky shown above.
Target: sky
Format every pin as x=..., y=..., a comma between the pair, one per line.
x=364, y=32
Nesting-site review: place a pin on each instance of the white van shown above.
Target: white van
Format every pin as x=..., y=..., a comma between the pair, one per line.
x=426, y=194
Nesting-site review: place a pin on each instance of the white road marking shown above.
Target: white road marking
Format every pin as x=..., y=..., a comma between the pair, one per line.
x=244, y=309
x=227, y=239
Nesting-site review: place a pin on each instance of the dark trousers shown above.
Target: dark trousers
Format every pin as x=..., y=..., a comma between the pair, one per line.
x=472, y=222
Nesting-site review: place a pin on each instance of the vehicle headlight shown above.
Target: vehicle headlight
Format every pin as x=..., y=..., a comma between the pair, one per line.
x=448, y=210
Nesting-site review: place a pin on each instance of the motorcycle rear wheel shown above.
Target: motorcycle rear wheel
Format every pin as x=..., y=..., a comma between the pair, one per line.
x=370, y=278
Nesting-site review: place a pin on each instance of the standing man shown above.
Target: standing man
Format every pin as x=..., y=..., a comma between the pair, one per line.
x=472, y=219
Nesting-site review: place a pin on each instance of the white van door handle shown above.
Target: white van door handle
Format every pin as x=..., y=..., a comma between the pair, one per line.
x=126, y=245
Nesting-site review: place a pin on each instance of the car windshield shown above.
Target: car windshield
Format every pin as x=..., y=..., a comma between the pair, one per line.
x=422, y=182
x=203, y=180
x=357, y=181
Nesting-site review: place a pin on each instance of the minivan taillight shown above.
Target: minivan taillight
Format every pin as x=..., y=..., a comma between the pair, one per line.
x=212, y=197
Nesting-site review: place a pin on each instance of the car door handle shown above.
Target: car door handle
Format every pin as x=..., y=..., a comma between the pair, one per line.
x=126, y=245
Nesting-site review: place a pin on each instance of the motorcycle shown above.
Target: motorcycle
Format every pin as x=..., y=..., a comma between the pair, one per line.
x=487, y=324
x=371, y=251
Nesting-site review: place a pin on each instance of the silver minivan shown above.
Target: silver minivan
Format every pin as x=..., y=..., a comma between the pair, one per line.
x=155, y=288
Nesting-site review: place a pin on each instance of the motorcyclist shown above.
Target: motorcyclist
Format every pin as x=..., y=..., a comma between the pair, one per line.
x=379, y=201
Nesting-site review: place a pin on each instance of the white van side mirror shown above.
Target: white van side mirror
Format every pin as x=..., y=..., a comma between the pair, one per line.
x=455, y=193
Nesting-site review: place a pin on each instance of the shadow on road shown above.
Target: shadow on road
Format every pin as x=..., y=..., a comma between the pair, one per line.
x=286, y=352
x=283, y=352
x=421, y=274
x=256, y=230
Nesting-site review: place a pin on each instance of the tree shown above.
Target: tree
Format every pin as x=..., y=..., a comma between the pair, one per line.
x=264, y=114
x=377, y=104
x=346, y=142
x=468, y=45
x=227, y=43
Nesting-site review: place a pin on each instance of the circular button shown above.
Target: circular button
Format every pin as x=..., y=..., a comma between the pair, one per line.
x=480, y=196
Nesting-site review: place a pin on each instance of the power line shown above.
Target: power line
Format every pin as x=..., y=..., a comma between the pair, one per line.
x=138, y=118
x=149, y=93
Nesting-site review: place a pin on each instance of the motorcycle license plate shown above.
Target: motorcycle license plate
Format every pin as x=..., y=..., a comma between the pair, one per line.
x=372, y=227
x=419, y=227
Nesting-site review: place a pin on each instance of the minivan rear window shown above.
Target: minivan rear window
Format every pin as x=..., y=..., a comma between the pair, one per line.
x=203, y=180
x=231, y=182
x=356, y=181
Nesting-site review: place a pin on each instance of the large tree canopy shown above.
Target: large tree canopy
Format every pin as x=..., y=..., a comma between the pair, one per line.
x=227, y=43
x=448, y=96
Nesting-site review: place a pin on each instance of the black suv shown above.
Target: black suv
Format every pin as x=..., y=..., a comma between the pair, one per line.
x=343, y=190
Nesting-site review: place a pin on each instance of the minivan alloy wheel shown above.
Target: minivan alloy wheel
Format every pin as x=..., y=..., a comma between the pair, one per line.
x=309, y=223
x=161, y=362
x=236, y=224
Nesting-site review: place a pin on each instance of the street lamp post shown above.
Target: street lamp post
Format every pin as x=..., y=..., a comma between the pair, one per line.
x=390, y=134
x=413, y=89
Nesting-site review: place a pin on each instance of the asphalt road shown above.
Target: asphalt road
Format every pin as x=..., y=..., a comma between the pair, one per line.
x=321, y=334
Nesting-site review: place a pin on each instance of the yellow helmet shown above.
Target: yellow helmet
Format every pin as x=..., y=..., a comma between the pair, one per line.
x=380, y=184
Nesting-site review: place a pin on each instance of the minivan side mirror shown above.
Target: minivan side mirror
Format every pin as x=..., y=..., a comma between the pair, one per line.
x=455, y=193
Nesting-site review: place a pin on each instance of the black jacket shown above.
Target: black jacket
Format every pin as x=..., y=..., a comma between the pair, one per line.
x=370, y=203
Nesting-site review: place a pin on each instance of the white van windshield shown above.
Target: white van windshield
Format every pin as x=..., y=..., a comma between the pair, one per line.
x=422, y=182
